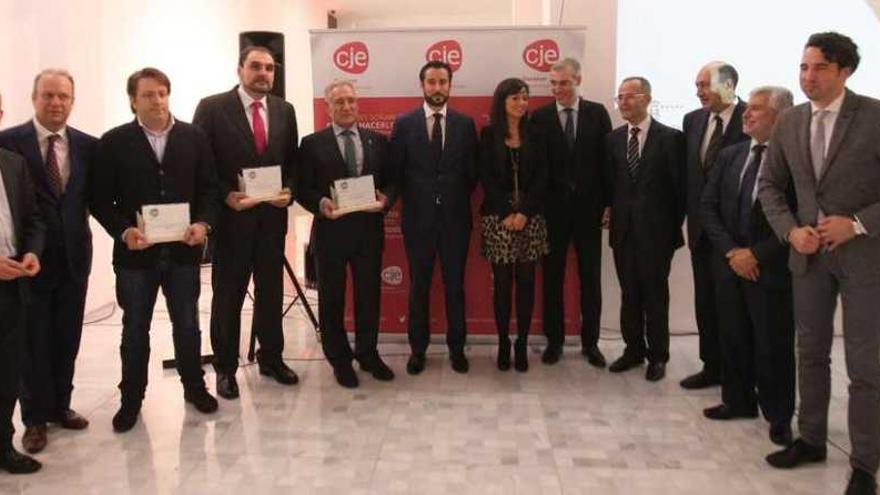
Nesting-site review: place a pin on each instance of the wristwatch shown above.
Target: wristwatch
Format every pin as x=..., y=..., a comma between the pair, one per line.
x=858, y=227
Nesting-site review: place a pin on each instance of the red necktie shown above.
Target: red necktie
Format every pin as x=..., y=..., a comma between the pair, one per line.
x=53, y=173
x=259, y=127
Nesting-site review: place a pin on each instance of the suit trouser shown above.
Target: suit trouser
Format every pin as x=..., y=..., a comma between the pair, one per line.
x=564, y=226
x=364, y=257
x=421, y=251
x=815, y=302
x=55, y=319
x=11, y=349
x=643, y=272
x=705, y=307
x=757, y=345
x=136, y=291
x=248, y=242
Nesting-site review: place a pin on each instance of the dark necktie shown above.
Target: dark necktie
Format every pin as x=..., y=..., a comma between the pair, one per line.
x=437, y=137
x=714, y=144
x=750, y=176
x=259, y=127
x=349, y=153
x=53, y=173
x=569, y=128
x=632, y=152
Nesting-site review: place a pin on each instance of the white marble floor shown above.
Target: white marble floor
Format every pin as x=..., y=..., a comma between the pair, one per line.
x=564, y=429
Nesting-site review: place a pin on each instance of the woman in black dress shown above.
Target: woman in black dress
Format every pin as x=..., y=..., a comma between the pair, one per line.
x=513, y=173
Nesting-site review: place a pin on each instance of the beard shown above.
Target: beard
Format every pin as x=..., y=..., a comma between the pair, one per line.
x=436, y=99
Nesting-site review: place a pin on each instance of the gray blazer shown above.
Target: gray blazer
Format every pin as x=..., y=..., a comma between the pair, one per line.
x=849, y=183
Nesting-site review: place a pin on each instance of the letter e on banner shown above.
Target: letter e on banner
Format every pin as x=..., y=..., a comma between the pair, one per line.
x=541, y=55
x=352, y=57
x=448, y=51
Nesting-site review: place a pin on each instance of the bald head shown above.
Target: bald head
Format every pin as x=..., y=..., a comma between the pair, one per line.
x=716, y=85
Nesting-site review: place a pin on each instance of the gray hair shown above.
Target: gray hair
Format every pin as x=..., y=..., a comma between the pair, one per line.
x=568, y=64
x=337, y=83
x=644, y=83
x=780, y=98
x=52, y=72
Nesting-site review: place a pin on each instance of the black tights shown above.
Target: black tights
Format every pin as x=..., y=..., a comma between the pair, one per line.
x=525, y=296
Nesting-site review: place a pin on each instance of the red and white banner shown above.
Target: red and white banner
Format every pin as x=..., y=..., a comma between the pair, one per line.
x=384, y=65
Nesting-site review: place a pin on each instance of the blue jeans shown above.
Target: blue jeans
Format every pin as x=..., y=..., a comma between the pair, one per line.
x=136, y=291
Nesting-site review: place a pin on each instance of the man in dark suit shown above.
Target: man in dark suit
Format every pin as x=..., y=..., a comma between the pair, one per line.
x=647, y=195
x=248, y=127
x=59, y=158
x=155, y=160
x=828, y=148
x=706, y=130
x=433, y=162
x=576, y=203
x=351, y=241
x=752, y=281
x=22, y=236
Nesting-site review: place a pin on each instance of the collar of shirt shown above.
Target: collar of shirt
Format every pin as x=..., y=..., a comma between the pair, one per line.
x=643, y=127
x=338, y=130
x=833, y=108
x=246, y=100
x=560, y=107
x=160, y=134
x=725, y=114
x=429, y=112
x=43, y=133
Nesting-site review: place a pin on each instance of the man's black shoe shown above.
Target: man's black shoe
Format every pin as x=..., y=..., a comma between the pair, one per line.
x=280, y=372
x=459, y=362
x=861, y=483
x=416, y=364
x=594, y=356
x=722, y=412
x=126, y=417
x=15, y=462
x=799, y=452
x=346, y=376
x=700, y=380
x=200, y=399
x=376, y=367
x=625, y=362
x=551, y=354
x=227, y=386
x=655, y=372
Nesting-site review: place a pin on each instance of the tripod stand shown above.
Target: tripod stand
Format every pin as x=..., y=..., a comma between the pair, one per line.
x=300, y=296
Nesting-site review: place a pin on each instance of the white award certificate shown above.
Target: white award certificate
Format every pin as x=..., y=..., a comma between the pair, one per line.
x=164, y=223
x=354, y=194
x=261, y=183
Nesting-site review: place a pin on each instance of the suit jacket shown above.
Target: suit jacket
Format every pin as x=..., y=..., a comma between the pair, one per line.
x=128, y=175
x=650, y=208
x=222, y=117
x=496, y=174
x=30, y=230
x=694, y=128
x=720, y=205
x=66, y=216
x=849, y=183
x=580, y=173
x=320, y=165
x=423, y=185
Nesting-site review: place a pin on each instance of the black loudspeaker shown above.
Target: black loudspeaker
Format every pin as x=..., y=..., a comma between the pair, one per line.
x=275, y=43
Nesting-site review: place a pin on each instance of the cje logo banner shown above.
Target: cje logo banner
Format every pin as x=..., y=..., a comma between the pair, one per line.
x=353, y=58
x=386, y=63
x=541, y=55
x=448, y=51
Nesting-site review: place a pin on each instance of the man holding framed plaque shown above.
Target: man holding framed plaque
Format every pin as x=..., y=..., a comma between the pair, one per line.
x=341, y=181
x=155, y=192
x=254, y=138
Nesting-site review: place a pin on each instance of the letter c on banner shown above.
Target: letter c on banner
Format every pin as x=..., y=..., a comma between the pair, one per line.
x=448, y=51
x=352, y=57
x=541, y=55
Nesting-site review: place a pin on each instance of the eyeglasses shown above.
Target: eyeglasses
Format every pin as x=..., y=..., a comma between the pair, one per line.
x=627, y=97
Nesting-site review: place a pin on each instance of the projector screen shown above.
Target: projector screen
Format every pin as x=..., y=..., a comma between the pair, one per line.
x=669, y=41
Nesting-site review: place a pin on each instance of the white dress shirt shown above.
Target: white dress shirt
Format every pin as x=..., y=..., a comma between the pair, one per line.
x=832, y=112
x=429, y=120
x=725, y=115
x=358, y=145
x=158, y=140
x=7, y=227
x=643, y=127
x=560, y=112
x=749, y=162
x=62, y=149
x=246, y=100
